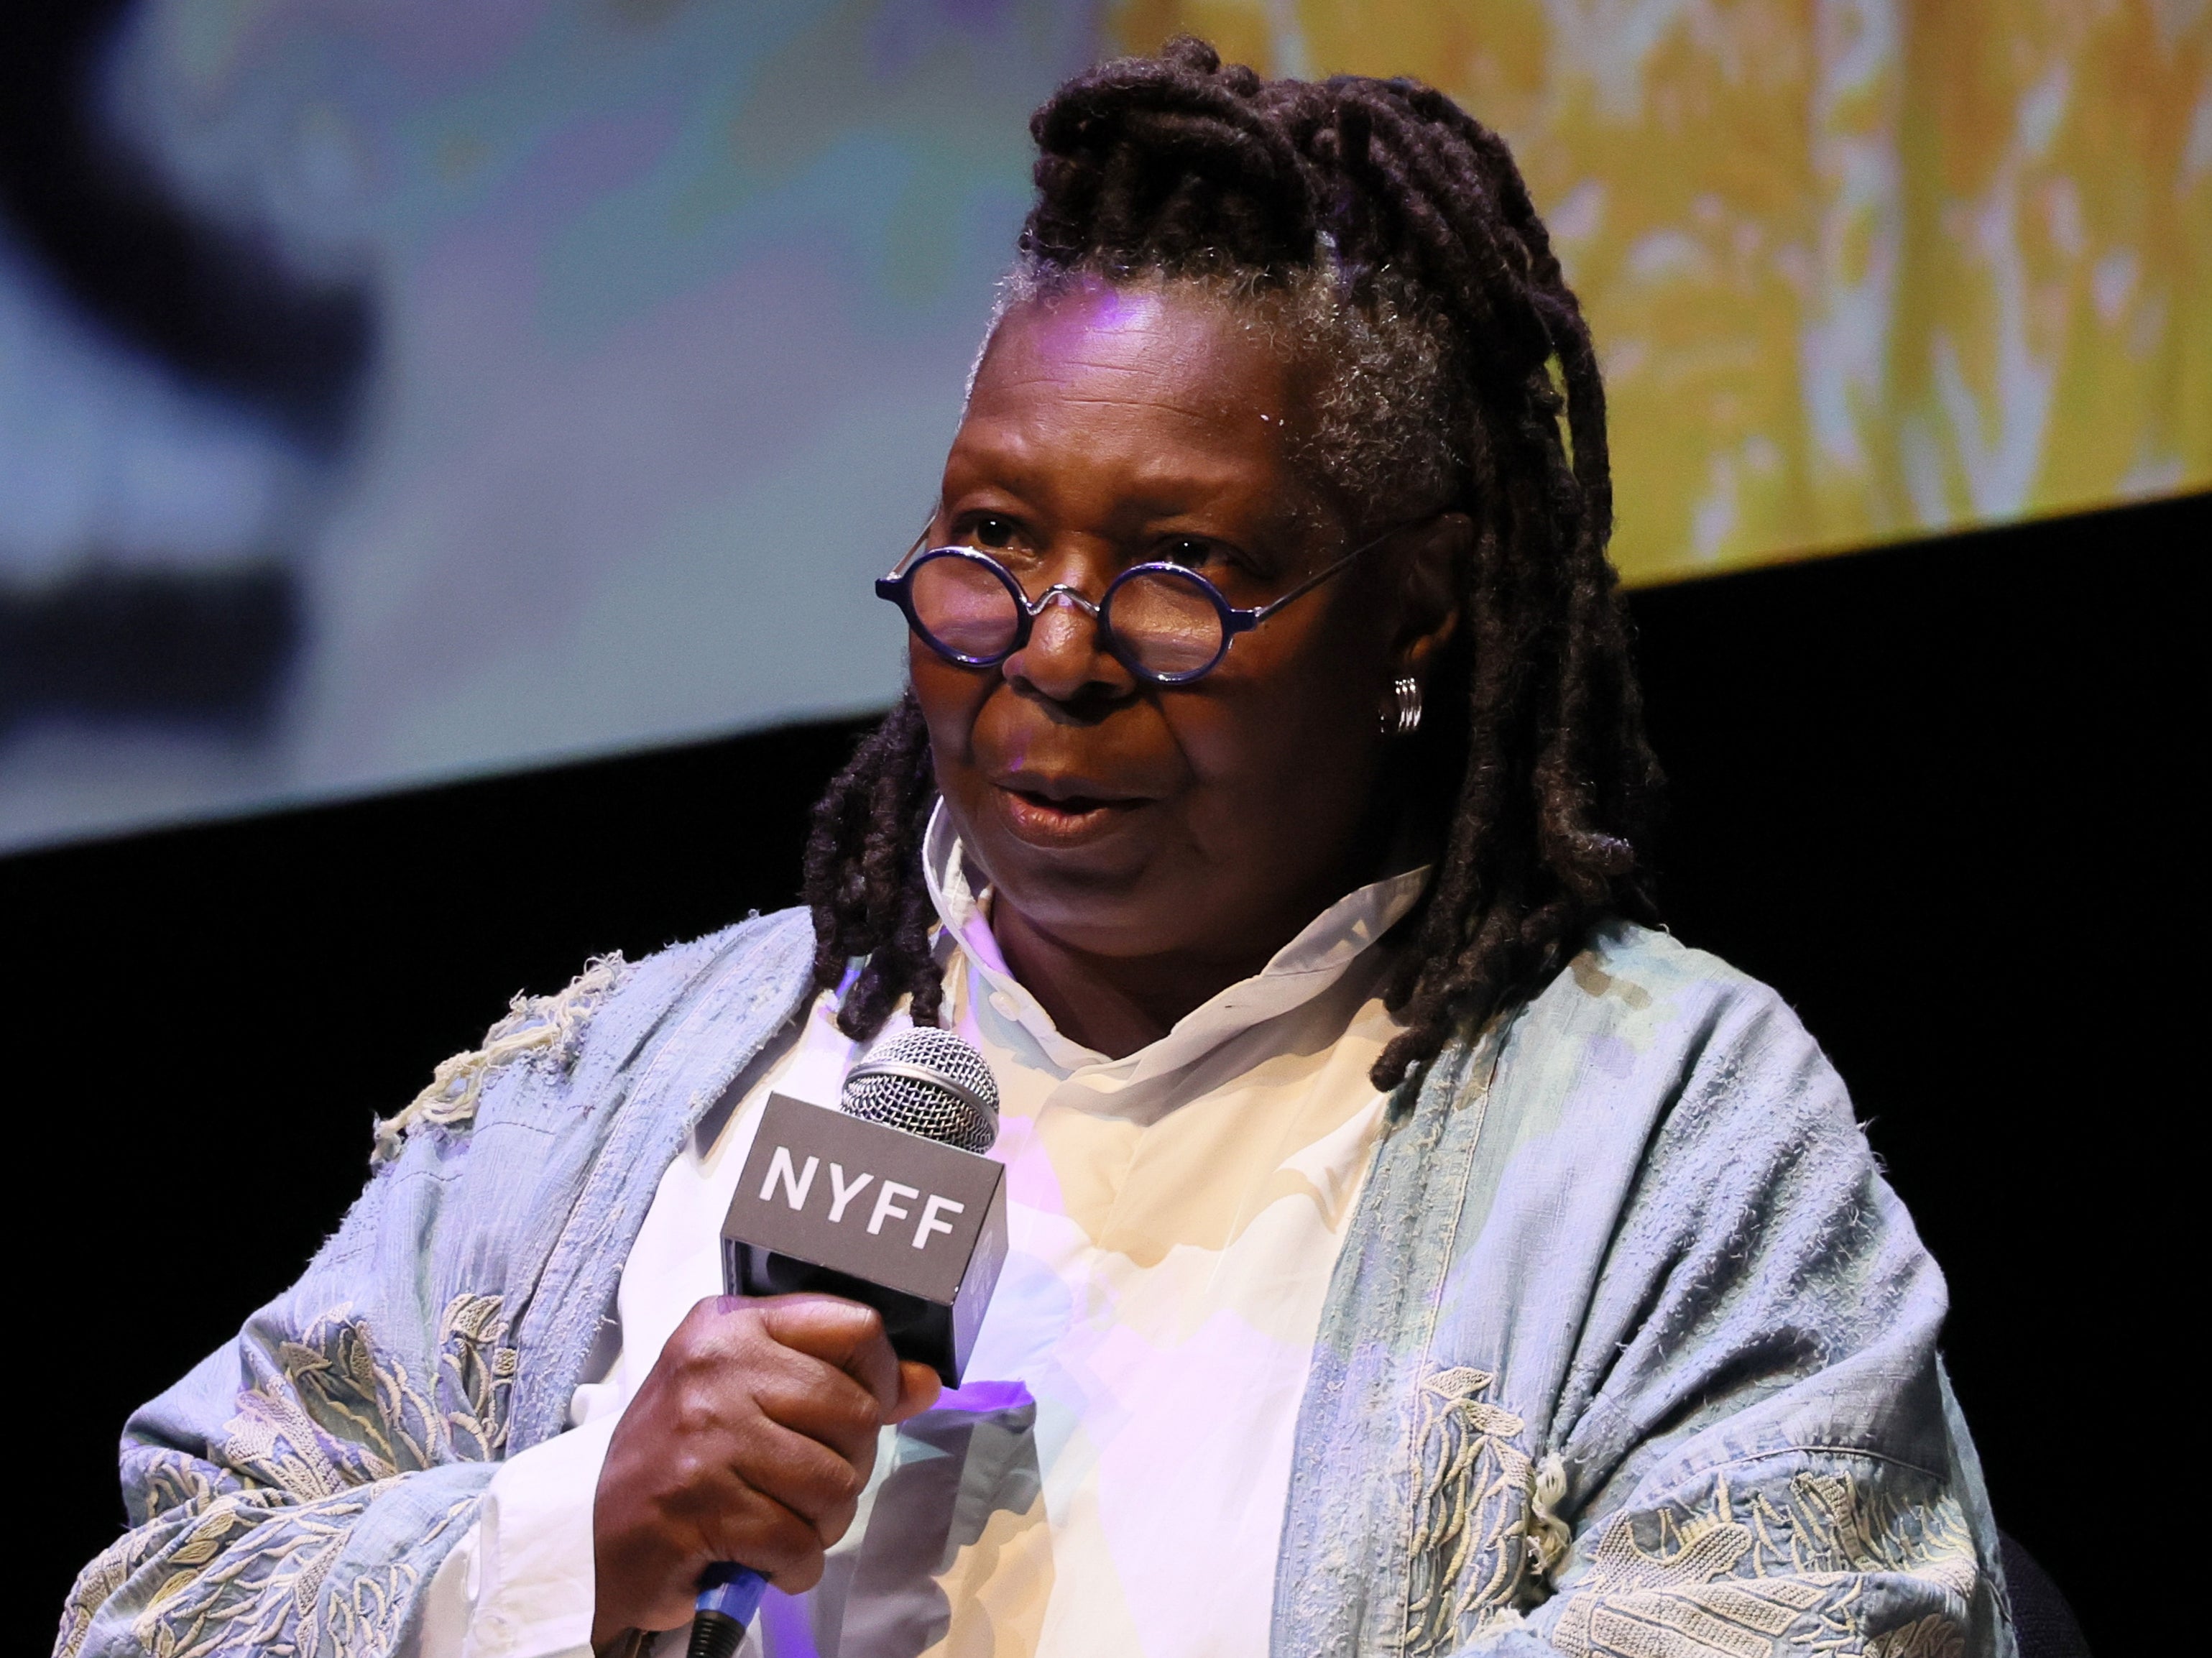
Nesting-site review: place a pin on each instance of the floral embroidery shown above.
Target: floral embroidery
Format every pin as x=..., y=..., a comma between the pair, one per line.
x=247, y=1577
x=1745, y=1573
x=334, y=1415
x=246, y=1546
x=1745, y=1576
x=536, y=1027
x=1932, y=1636
x=1472, y=1484
x=476, y=1377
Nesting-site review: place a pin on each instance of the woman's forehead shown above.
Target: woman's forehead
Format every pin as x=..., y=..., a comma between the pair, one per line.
x=1168, y=348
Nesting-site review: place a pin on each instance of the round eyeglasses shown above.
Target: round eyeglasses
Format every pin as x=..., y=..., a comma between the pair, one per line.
x=1165, y=623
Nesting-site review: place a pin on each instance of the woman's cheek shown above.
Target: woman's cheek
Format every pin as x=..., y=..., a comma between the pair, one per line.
x=1249, y=735
x=951, y=701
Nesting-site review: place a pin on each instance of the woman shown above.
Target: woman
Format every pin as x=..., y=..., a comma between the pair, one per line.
x=1412, y=1252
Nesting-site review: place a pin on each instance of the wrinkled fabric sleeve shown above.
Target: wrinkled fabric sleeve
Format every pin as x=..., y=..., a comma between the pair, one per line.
x=298, y=1491
x=295, y=1492
x=1756, y=1451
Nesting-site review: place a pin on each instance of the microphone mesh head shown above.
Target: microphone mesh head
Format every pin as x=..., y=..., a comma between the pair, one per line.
x=929, y=1082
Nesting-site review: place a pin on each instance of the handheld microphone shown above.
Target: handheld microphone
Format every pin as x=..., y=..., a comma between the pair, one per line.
x=888, y=1201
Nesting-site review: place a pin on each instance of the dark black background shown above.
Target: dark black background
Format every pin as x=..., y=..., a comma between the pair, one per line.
x=1933, y=793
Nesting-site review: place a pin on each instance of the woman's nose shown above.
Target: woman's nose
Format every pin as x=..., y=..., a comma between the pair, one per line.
x=1065, y=657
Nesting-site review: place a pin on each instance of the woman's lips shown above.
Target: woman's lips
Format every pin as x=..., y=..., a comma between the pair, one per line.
x=1070, y=822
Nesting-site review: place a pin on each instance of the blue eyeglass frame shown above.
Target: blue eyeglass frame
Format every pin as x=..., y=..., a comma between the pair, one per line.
x=899, y=588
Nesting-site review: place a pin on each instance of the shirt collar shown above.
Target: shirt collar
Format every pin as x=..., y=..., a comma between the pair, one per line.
x=1301, y=969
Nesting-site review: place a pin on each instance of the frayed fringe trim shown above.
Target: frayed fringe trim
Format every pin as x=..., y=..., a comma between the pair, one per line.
x=534, y=1026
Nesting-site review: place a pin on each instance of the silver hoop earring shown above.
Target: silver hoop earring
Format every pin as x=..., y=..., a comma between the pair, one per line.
x=1401, y=717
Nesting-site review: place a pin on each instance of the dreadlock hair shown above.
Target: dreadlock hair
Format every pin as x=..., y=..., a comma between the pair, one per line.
x=1377, y=229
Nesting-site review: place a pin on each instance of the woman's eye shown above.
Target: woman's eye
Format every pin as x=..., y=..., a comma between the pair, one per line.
x=990, y=531
x=1192, y=553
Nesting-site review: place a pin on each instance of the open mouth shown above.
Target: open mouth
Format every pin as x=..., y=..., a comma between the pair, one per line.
x=1074, y=804
x=1044, y=820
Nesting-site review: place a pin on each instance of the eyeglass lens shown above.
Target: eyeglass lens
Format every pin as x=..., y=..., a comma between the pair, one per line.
x=1166, y=621
x=965, y=608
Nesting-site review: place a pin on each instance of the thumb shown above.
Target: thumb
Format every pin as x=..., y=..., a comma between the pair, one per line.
x=918, y=1389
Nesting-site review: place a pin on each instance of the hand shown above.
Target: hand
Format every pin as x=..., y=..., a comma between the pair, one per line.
x=750, y=1441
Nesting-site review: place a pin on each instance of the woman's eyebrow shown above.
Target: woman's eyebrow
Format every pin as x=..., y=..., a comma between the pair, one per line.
x=1158, y=492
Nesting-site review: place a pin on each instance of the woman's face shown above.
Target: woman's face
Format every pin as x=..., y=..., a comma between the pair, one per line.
x=1110, y=427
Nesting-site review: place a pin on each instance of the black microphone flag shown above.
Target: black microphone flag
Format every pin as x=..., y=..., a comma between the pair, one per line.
x=912, y=1227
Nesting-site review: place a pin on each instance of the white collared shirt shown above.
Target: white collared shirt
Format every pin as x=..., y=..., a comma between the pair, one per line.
x=1124, y=1436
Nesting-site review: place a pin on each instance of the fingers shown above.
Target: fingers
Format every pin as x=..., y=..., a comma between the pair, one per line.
x=828, y=1328
x=798, y=1471
x=667, y=1503
x=751, y=1440
x=752, y=1527
x=840, y=1333
x=729, y=1351
x=825, y=1406
x=737, y=1520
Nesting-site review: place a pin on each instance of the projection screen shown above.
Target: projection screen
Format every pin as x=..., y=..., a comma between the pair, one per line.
x=542, y=379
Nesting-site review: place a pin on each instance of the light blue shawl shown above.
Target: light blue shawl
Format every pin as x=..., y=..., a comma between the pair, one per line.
x=1630, y=1350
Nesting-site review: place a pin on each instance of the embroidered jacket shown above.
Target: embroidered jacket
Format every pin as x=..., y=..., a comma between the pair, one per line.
x=1630, y=1350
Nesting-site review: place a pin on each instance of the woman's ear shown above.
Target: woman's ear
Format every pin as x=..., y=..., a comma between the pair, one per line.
x=1428, y=598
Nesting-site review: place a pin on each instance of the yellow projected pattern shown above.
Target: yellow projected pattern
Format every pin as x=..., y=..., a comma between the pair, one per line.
x=1857, y=269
